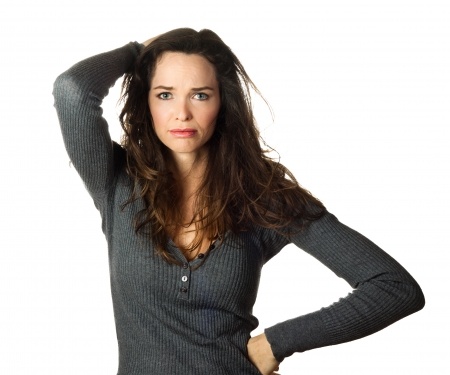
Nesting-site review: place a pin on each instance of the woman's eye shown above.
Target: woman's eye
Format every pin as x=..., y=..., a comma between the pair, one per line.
x=201, y=96
x=165, y=95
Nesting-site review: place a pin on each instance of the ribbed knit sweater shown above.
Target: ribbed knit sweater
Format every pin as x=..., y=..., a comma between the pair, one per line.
x=196, y=318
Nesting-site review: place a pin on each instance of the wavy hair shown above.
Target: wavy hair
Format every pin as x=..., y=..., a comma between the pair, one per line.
x=242, y=185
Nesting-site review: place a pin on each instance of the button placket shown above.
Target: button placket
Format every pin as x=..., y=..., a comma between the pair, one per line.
x=184, y=281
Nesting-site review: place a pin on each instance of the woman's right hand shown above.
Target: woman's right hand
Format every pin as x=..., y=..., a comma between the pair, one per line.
x=148, y=41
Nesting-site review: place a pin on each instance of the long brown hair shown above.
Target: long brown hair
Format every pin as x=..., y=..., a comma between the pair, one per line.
x=242, y=185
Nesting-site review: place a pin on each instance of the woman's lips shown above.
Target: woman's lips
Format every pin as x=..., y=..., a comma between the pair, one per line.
x=183, y=133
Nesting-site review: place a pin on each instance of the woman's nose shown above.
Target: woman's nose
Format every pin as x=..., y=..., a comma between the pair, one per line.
x=183, y=112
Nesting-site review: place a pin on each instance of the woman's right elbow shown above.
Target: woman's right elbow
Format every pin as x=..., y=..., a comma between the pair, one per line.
x=65, y=90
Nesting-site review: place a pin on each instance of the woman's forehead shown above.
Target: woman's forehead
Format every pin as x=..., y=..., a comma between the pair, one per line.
x=173, y=68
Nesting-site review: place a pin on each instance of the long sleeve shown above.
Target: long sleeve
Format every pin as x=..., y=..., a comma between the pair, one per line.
x=78, y=94
x=384, y=292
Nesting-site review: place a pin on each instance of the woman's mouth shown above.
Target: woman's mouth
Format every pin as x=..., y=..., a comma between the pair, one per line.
x=183, y=133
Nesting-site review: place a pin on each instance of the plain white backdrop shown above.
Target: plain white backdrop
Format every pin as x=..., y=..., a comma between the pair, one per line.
x=360, y=92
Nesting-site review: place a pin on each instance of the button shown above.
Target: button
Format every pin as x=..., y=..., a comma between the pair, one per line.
x=184, y=279
x=183, y=289
x=212, y=247
x=201, y=256
x=185, y=265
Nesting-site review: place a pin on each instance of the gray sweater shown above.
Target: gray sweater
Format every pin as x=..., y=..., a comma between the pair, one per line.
x=197, y=318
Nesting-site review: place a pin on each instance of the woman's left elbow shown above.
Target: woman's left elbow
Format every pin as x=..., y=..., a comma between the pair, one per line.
x=414, y=299
x=419, y=298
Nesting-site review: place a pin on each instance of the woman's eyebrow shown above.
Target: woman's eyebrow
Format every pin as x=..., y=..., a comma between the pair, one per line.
x=163, y=87
x=202, y=88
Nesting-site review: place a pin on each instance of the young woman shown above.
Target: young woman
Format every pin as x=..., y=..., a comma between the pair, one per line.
x=192, y=208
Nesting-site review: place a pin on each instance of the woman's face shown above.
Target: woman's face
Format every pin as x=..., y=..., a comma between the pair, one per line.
x=184, y=102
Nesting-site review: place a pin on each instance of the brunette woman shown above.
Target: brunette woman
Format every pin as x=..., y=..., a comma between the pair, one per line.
x=192, y=207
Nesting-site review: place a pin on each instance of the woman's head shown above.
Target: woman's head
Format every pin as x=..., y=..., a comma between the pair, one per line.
x=234, y=118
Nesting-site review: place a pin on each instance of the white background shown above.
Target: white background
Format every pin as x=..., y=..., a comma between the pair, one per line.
x=360, y=91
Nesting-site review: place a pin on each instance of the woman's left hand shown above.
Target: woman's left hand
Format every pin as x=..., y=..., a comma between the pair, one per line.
x=261, y=355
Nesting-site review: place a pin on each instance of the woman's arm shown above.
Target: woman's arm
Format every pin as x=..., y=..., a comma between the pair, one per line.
x=384, y=292
x=78, y=94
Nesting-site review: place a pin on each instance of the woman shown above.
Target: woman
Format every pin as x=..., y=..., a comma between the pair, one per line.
x=192, y=208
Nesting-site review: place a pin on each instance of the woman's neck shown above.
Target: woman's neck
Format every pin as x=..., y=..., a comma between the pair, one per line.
x=189, y=171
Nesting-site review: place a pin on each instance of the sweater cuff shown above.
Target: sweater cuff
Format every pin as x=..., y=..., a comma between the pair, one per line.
x=297, y=335
x=136, y=47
